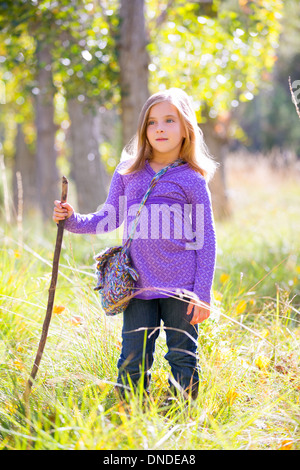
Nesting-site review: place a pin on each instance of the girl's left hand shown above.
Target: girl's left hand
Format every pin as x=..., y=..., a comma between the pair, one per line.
x=201, y=313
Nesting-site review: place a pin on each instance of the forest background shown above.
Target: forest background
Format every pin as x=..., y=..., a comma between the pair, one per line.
x=73, y=78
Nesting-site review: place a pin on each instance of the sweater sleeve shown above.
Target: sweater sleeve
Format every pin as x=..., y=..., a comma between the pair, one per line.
x=108, y=218
x=205, y=240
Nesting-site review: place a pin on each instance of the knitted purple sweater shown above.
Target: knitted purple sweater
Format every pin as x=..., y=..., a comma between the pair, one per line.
x=174, y=245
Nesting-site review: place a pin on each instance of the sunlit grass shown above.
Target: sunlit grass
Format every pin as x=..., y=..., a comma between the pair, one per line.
x=248, y=349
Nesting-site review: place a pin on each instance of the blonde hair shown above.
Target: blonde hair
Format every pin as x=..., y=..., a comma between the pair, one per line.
x=193, y=150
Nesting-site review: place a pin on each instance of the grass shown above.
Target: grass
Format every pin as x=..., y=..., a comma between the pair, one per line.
x=248, y=350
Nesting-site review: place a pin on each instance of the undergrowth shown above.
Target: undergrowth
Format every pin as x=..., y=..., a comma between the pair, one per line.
x=248, y=349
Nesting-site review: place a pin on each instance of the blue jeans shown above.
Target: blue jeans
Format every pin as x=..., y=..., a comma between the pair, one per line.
x=141, y=325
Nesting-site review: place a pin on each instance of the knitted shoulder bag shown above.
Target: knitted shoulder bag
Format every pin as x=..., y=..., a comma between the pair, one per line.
x=115, y=276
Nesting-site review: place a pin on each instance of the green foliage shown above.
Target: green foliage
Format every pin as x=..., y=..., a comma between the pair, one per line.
x=221, y=61
x=220, y=55
x=83, y=50
x=270, y=119
x=84, y=63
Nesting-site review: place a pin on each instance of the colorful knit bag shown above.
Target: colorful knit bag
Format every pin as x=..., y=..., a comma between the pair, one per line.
x=115, y=276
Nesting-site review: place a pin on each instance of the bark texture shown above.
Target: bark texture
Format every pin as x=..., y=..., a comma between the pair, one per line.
x=46, y=172
x=134, y=61
x=88, y=171
x=217, y=148
x=24, y=162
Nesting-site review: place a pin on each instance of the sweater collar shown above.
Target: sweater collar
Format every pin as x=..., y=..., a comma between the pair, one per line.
x=153, y=172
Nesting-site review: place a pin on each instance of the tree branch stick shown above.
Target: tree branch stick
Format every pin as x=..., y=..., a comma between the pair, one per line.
x=51, y=295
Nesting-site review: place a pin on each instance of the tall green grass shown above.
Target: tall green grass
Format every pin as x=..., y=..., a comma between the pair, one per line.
x=248, y=349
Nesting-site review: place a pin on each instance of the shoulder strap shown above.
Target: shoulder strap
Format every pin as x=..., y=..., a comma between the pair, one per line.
x=151, y=186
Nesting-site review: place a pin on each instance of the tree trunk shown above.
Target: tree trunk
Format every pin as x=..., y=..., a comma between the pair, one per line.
x=134, y=61
x=24, y=162
x=46, y=172
x=217, y=145
x=88, y=171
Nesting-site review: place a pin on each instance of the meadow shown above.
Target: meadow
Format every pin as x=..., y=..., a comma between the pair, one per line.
x=248, y=348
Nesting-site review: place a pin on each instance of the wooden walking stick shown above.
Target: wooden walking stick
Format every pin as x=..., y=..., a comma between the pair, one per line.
x=51, y=295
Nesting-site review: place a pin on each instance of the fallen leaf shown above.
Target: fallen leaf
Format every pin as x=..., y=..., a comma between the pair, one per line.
x=282, y=369
x=286, y=444
x=218, y=295
x=224, y=278
x=18, y=364
x=76, y=321
x=241, y=306
x=231, y=396
x=264, y=333
x=58, y=309
x=262, y=362
x=160, y=378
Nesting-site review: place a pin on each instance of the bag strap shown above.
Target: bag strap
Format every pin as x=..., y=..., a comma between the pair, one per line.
x=151, y=186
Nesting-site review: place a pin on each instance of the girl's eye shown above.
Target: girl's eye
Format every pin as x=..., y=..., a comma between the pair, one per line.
x=170, y=120
x=150, y=123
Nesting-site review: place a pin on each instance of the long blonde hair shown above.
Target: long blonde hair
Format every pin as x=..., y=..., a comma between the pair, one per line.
x=193, y=150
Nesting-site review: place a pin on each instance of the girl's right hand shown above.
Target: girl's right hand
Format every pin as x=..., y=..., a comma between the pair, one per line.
x=62, y=211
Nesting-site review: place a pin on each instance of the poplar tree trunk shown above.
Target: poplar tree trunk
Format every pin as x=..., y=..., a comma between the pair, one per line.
x=24, y=162
x=134, y=61
x=88, y=171
x=217, y=146
x=46, y=172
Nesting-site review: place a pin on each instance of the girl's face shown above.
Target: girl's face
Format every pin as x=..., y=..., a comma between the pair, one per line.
x=165, y=131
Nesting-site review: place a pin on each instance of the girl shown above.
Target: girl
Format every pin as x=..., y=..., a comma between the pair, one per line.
x=174, y=253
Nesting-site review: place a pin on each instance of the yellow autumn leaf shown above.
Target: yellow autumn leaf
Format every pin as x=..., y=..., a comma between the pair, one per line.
x=286, y=444
x=231, y=396
x=264, y=333
x=218, y=295
x=79, y=445
x=241, y=306
x=58, y=309
x=223, y=355
x=11, y=408
x=160, y=378
x=18, y=364
x=262, y=362
x=102, y=386
x=224, y=278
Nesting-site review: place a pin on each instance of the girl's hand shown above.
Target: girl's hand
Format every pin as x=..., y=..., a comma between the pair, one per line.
x=201, y=313
x=62, y=211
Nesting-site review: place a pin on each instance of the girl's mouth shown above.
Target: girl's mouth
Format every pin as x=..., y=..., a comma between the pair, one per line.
x=161, y=138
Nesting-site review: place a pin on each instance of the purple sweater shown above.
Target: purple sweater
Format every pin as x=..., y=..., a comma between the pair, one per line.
x=174, y=245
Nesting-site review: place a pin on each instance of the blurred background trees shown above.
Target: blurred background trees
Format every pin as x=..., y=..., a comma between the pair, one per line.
x=268, y=120
x=75, y=74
